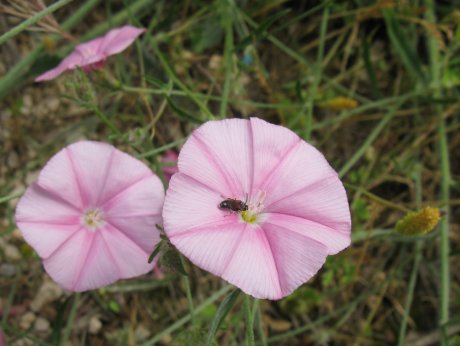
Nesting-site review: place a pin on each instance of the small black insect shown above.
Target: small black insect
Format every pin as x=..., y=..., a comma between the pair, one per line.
x=233, y=205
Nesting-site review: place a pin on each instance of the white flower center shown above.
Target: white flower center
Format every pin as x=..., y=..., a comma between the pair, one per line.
x=255, y=208
x=93, y=219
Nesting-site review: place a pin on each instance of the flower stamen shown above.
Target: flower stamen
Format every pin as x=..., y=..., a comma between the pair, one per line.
x=93, y=219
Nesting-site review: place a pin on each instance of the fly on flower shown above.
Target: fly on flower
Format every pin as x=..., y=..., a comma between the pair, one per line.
x=234, y=205
x=296, y=213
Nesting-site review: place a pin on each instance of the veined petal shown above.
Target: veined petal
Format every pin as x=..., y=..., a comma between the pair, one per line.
x=91, y=162
x=99, y=267
x=190, y=204
x=253, y=267
x=67, y=262
x=303, y=166
x=219, y=154
x=117, y=40
x=141, y=198
x=42, y=206
x=130, y=259
x=268, y=151
x=334, y=240
x=324, y=202
x=297, y=258
x=140, y=230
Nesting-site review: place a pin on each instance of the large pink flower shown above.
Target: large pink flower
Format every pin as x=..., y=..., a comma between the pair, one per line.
x=91, y=215
x=92, y=54
x=297, y=213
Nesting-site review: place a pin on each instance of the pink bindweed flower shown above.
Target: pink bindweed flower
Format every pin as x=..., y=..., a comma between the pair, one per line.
x=91, y=216
x=170, y=157
x=297, y=209
x=92, y=54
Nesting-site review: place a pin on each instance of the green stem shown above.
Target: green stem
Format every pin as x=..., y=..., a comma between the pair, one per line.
x=318, y=73
x=228, y=56
x=445, y=180
x=188, y=292
x=32, y=20
x=249, y=321
x=179, y=323
x=70, y=320
x=369, y=140
x=417, y=260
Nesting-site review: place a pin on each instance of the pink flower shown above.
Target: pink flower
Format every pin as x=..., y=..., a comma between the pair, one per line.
x=91, y=216
x=170, y=157
x=92, y=54
x=297, y=209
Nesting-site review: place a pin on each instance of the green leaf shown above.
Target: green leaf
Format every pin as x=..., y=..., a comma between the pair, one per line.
x=223, y=310
x=155, y=251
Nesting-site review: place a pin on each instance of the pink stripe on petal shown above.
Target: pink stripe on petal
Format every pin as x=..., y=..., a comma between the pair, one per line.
x=211, y=247
x=304, y=166
x=101, y=268
x=65, y=264
x=39, y=205
x=297, y=258
x=90, y=161
x=144, y=197
x=334, y=240
x=253, y=268
x=324, y=202
x=131, y=260
x=190, y=204
x=268, y=152
x=59, y=176
x=46, y=238
x=124, y=171
x=140, y=229
x=211, y=153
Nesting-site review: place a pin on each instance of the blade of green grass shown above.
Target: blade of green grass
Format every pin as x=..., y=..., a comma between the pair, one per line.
x=400, y=42
x=221, y=312
x=179, y=323
x=445, y=180
x=227, y=20
x=369, y=140
x=32, y=20
x=13, y=78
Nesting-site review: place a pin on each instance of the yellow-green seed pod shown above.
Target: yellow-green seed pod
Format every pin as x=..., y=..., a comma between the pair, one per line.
x=339, y=103
x=419, y=222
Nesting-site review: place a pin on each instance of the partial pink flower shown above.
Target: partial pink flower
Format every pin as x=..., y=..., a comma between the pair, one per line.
x=91, y=216
x=92, y=54
x=297, y=208
x=170, y=157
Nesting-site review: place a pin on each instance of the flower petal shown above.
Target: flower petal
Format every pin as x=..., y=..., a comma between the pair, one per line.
x=99, y=268
x=331, y=238
x=91, y=162
x=252, y=267
x=297, y=257
x=117, y=40
x=210, y=247
x=66, y=263
x=219, y=154
x=302, y=167
x=324, y=202
x=271, y=144
x=130, y=259
x=189, y=205
x=69, y=63
x=42, y=206
x=141, y=196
